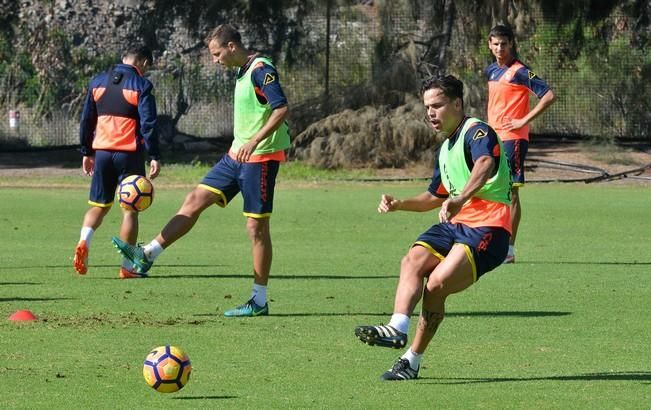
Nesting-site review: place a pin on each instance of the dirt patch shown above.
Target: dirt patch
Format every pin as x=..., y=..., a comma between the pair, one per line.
x=553, y=159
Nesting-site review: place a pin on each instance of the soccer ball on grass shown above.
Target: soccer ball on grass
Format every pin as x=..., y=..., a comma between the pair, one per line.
x=136, y=193
x=167, y=369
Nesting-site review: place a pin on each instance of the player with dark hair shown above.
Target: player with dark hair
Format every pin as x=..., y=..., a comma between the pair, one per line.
x=509, y=85
x=250, y=167
x=471, y=185
x=118, y=127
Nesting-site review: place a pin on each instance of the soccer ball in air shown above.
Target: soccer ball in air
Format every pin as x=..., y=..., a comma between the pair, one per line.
x=136, y=193
x=167, y=369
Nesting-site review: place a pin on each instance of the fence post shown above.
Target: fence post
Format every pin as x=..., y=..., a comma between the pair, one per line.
x=14, y=122
x=327, y=57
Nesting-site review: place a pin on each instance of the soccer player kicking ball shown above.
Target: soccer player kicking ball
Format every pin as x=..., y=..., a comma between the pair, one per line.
x=260, y=138
x=471, y=183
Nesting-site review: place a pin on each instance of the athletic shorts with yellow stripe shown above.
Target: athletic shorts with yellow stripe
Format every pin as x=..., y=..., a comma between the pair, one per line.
x=256, y=181
x=486, y=246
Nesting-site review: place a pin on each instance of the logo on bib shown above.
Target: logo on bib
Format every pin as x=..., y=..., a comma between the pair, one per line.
x=268, y=79
x=479, y=134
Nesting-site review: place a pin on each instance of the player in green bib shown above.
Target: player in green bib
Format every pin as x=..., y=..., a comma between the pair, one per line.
x=471, y=184
x=250, y=167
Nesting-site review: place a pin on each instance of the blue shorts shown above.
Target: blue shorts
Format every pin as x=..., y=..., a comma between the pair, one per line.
x=110, y=168
x=516, y=152
x=255, y=180
x=486, y=246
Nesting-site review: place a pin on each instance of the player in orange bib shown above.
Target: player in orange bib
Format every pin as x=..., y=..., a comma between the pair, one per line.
x=509, y=84
x=117, y=130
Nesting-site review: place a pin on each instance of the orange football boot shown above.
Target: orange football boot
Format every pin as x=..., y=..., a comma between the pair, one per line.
x=80, y=262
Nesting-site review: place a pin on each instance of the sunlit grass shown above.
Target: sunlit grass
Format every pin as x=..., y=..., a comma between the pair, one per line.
x=564, y=326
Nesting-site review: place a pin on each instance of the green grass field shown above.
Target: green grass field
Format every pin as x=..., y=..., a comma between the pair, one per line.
x=566, y=327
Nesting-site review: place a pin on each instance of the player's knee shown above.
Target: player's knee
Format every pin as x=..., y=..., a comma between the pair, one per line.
x=97, y=213
x=435, y=287
x=258, y=229
x=412, y=265
x=193, y=203
x=406, y=263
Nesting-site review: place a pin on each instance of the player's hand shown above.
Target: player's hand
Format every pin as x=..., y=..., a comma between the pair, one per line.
x=88, y=165
x=449, y=209
x=512, y=124
x=246, y=150
x=387, y=204
x=154, y=168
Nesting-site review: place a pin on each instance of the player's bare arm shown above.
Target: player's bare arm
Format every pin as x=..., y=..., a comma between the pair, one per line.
x=420, y=203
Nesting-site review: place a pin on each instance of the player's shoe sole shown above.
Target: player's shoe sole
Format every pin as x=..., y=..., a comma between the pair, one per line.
x=382, y=335
x=127, y=274
x=509, y=259
x=401, y=370
x=80, y=261
x=248, y=309
x=135, y=254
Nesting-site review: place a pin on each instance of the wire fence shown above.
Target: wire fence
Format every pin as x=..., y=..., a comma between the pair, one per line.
x=601, y=93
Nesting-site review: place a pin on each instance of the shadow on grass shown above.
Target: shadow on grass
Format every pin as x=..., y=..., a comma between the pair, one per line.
x=393, y=276
x=534, y=313
x=18, y=299
x=556, y=262
x=315, y=314
x=205, y=397
x=604, y=376
x=247, y=276
x=526, y=313
x=19, y=283
x=204, y=275
x=113, y=265
x=274, y=277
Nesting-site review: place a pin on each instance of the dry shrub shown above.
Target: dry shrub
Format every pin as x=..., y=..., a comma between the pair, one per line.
x=372, y=136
